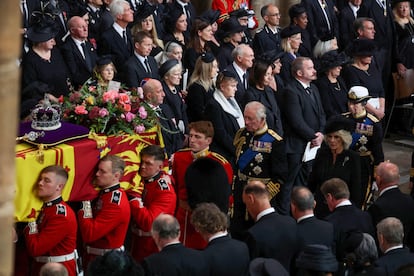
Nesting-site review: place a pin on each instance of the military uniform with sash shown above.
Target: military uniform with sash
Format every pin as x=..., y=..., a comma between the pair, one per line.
x=262, y=156
x=367, y=141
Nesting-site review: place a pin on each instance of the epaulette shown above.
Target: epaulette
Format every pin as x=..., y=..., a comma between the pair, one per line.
x=219, y=157
x=275, y=135
x=259, y=30
x=60, y=209
x=372, y=117
x=116, y=197
x=237, y=136
x=163, y=184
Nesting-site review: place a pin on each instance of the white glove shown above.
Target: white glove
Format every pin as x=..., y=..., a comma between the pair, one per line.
x=181, y=126
x=87, y=209
x=374, y=186
x=139, y=200
x=32, y=227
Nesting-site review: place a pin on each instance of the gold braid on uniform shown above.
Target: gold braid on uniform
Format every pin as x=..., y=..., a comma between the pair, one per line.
x=273, y=188
x=238, y=142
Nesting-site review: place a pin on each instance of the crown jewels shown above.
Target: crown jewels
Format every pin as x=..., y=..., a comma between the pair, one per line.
x=46, y=116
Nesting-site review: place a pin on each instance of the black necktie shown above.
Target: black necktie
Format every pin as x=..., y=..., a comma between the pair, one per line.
x=310, y=93
x=87, y=56
x=244, y=81
x=124, y=36
x=147, y=66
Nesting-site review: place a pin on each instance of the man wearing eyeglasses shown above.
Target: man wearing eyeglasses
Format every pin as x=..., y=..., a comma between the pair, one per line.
x=268, y=38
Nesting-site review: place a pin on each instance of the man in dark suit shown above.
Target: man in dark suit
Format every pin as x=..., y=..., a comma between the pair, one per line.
x=268, y=38
x=154, y=97
x=322, y=19
x=390, y=232
x=304, y=119
x=141, y=65
x=116, y=41
x=243, y=58
x=310, y=229
x=225, y=255
x=271, y=231
x=346, y=22
x=173, y=258
x=385, y=36
x=78, y=52
x=27, y=8
x=106, y=17
x=391, y=201
x=345, y=217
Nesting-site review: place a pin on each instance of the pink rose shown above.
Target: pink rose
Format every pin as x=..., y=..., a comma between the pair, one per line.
x=129, y=117
x=103, y=112
x=80, y=109
x=139, y=129
x=124, y=98
x=92, y=88
x=126, y=107
x=142, y=112
x=110, y=96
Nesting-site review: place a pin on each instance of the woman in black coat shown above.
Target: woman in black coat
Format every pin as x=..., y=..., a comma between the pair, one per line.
x=335, y=160
x=226, y=116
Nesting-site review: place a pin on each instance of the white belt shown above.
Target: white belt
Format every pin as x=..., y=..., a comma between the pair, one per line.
x=101, y=251
x=56, y=259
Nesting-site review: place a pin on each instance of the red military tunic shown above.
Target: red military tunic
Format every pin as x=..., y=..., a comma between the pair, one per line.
x=57, y=229
x=108, y=227
x=181, y=161
x=227, y=6
x=158, y=197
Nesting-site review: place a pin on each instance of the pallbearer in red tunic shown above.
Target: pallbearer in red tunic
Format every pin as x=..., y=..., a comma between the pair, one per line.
x=104, y=224
x=201, y=136
x=158, y=197
x=52, y=238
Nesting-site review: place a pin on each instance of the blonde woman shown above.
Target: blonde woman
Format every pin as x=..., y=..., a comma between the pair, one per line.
x=145, y=22
x=291, y=41
x=201, y=86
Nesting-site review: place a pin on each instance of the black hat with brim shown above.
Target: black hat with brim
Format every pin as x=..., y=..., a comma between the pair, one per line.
x=266, y=266
x=331, y=59
x=41, y=33
x=270, y=56
x=231, y=26
x=240, y=13
x=210, y=16
x=337, y=123
x=166, y=66
x=143, y=11
x=317, y=257
x=290, y=30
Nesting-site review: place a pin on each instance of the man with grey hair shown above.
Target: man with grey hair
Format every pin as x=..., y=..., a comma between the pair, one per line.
x=260, y=155
x=390, y=234
x=311, y=230
x=243, y=57
x=117, y=40
x=391, y=201
x=174, y=258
